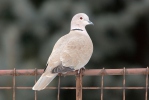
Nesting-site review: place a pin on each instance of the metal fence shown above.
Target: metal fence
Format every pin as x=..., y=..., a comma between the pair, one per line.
x=79, y=87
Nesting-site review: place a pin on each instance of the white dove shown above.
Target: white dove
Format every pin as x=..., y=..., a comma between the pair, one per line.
x=71, y=52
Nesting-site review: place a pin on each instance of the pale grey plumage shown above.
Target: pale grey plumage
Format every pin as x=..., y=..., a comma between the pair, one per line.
x=71, y=52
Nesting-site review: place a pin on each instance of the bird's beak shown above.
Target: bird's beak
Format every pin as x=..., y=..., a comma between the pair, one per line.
x=90, y=23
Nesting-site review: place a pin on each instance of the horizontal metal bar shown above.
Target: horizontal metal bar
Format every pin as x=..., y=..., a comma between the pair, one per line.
x=94, y=88
x=115, y=88
x=31, y=88
x=87, y=72
x=26, y=72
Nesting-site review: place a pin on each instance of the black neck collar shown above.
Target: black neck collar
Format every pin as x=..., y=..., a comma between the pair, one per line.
x=77, y=29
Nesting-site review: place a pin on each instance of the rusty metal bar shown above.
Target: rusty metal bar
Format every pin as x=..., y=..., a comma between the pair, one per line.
x=35, y=82
x=14, y=83
x=101, y=95
x=79, y=85
x=88, y=72
x=124, y=71
x=146, y=93
x=71, y=88
x=58, y=94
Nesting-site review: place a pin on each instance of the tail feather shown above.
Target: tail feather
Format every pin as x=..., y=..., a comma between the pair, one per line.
x=43, y=81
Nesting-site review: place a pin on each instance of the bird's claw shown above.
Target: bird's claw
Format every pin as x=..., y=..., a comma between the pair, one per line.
x=80, y=70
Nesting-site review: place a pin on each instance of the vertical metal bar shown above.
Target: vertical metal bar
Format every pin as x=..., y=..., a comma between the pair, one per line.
x=14, y=83
x=58, y=95
x=124, y=74
x=79, y=86
x=35, y=82
x=146, y=93
x=102, y=85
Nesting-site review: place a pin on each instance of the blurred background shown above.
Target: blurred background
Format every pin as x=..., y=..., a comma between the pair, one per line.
x=30, y=28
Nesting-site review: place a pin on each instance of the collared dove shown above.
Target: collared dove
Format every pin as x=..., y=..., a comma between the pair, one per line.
x=71, y=52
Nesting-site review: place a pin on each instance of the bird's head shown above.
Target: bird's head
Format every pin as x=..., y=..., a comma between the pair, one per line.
x=80, y=20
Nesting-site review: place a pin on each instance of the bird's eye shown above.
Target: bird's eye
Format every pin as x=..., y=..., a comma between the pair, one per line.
x=81, y=18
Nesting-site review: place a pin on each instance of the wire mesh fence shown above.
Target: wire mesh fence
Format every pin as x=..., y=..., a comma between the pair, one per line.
x=79, y=87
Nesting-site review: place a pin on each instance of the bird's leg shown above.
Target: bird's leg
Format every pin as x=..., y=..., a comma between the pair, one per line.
x=60, y=74
x=63, y=74
x=79, y=71
x=83, y=68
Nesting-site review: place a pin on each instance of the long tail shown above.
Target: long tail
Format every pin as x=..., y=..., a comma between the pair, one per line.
x=43, y=81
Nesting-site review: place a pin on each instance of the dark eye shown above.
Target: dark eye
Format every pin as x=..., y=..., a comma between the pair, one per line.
x=81, y=18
